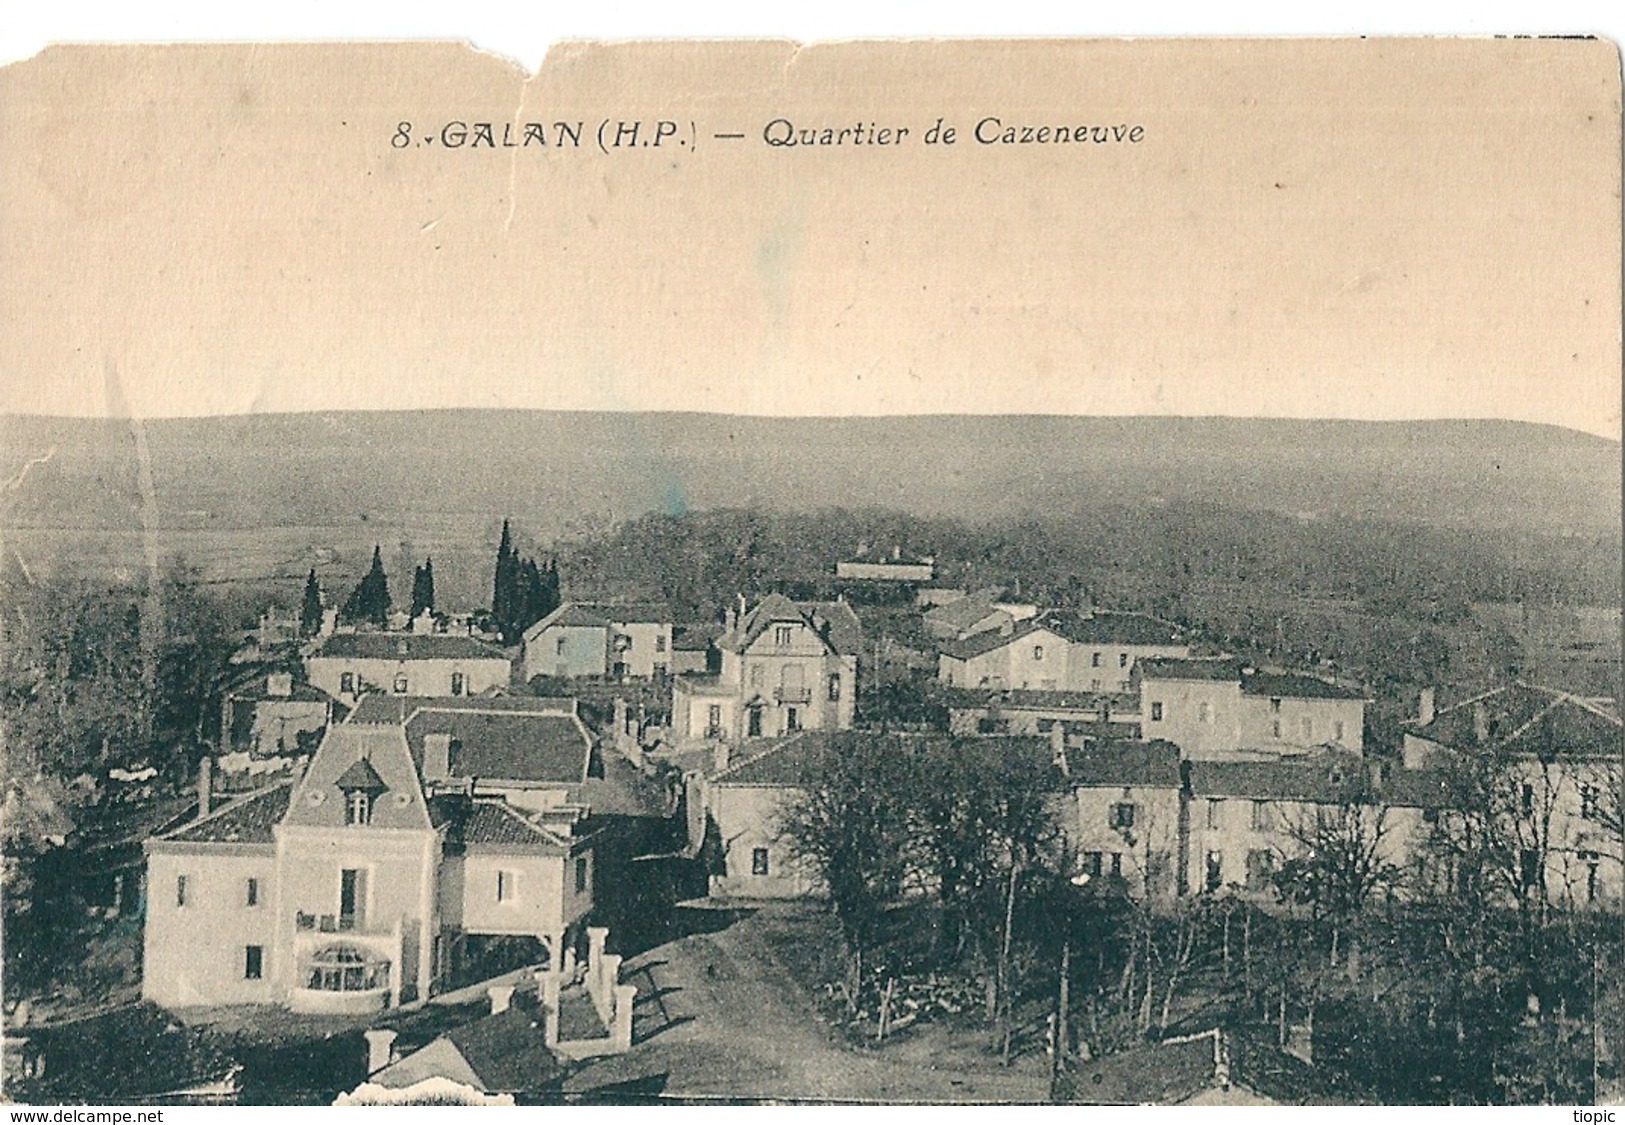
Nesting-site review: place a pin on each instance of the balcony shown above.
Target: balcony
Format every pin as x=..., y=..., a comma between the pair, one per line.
x=793, y=694
x=325, y=923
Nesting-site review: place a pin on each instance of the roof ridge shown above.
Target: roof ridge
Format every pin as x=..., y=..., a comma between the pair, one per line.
x=540, y=830
x=227, y=807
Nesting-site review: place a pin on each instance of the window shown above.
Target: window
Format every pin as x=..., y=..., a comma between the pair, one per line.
x=1204, y=712
x=345, y=968
x=1094, y=685
x=1122, y=660
x=558, y=649
x=1215, y=871
x=251, y=894
x=1156, y=711
x=400, y=684
x=581, y=875
x=358, y=807
x=1117, y=864
x=660, y=642
x=506, y=886
x=1275, y=728
x=347, y=683
x=1263, y=816
x=1091, y=864
x=457, y=683
x=180, y=890
x=792, y=719
x=758, y=861
x=352, y=898
x=834, y=686
x=1589, y=802
x=1590, y=859
x=1275, y=705
x=713, y=720
x=253, y=962
x=782, y=635
x=1528, y=799
x=1121, y=815
x=753, y=722
x=1213, y=812
x=1094, y=660
x=1337, y=730
x=1038, y=652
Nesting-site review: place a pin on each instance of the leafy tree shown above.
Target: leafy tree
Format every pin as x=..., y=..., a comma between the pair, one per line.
x=310, y=609
x=850, y=823
x=370, y=601
x=423, y=588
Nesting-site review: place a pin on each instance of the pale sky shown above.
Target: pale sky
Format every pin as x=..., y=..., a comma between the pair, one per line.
x=1381, y=229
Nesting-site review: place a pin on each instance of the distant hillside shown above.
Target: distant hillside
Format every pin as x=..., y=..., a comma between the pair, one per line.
x=238, y=493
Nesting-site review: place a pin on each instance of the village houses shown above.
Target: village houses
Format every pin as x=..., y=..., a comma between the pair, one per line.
x=614, y=641
x=1555, y=760
x=349, y=665
x=420, y=829
x=1060, y=652
x=1219, y=708
x=785, y=666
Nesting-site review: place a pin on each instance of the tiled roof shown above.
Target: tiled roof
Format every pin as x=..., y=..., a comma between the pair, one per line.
x=981, y=643
x=317, y=799
x=964, y=612
x=1328, y=778
x=1111, y=628
x=508, y=1052
x=504, y=744
x=498, y=824
x=1195, y=668
x=786, y=762
x=255, y=688
x=248, y=820
x=1527, y=719
x=407, y=646
x=834, y=621
x=1293, y=685
x=1126, y=763
x=504, y=1053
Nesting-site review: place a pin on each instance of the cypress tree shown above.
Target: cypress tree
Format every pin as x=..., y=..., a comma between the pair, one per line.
x=423, y=588
x=505, y=590
x=369, y=601
x=310, y=613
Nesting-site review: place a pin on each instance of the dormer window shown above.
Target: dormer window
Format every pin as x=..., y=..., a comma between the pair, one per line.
x=361, y=786
x=358, y=807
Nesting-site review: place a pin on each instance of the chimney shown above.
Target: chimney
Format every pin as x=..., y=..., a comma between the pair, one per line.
x=741, y=607
x=1057, y=742
x=279, y=684
x=330, y=622
x=1425, y=705
x=380, y=1047
x=719, y=757
x=205, y=785
x=436, y=757
x=730, y=620
x=501, y=996
x=1481, y=723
